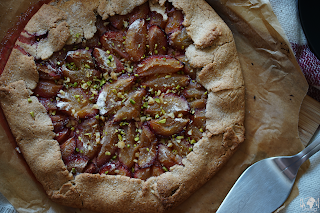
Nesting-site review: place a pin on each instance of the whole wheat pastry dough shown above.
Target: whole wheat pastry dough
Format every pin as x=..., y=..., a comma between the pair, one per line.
x=212, y=52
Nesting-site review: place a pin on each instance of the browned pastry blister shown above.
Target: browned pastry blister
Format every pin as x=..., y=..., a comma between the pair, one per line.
x=130, y=145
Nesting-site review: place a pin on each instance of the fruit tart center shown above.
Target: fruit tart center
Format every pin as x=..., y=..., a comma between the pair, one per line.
x=126, y=101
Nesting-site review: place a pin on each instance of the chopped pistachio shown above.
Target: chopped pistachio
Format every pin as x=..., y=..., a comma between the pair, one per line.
x=163, y=121
x=165, y=169
x=180, y=137
x=145, y=105
x=32, y=114
x=132, y=101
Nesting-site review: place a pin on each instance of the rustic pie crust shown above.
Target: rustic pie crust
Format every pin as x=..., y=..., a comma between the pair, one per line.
x=212, y=53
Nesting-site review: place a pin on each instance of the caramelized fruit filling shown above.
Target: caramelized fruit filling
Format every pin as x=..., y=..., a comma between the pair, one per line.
x=125, y=102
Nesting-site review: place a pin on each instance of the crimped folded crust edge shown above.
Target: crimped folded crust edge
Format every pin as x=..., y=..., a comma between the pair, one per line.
x=213, y=52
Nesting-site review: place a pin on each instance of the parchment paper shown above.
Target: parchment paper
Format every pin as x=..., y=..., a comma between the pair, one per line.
x=275, y=88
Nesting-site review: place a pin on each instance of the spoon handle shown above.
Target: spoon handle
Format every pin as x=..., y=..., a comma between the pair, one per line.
x=312, y=148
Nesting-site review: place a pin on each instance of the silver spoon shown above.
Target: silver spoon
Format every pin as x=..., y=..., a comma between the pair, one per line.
x=265, y=186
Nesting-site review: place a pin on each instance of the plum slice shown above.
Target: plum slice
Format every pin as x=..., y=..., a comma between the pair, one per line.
x=112, y=95
x=143, y=173
x=127, y=153
x=79, y=66
x=140, y=12
x=76, y=103
x=91, y=167
x=181, y=147
x=77, y=163
x=166, y=157
x=164, y=82
x=47, y=88
x=167, y=126
x=114, y=42
x=157, y=39
x=80, y=58
x=108, y=141
x=198, y=103
x=102, y=26
x=49, y=103
x=180, y=39
x=136, y=40
x=156, y=170
x=188, y=70
x=147, y=148
x=158, y=64
x=147, y=155
x=80, y=75
x=132, y=106
x=196, y=95
x=68, y=148
x=170, y=104
x=107, y=62
x=88, y=133
x=174, y=23
x=63, y=135
x=59, y=122
x=114, y=169
x=148, y=172
x=194, y=91
x=48, y=72
x=119, y=21
x=197, y=125
x=157, y=19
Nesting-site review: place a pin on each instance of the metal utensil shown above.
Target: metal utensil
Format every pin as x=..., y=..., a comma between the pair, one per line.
x=264, y=186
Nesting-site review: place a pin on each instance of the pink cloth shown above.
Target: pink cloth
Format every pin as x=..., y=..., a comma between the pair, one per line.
x=310, y=66
x=288, y=16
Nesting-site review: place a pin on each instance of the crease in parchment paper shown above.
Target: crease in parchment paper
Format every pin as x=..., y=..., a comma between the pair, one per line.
x=275, y=88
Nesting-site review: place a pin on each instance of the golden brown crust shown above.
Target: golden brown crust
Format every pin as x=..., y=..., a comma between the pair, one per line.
x=33, y=131
x=80, y=18
x=121, y=7
x=213, y=53
x=226, y=110
x=204, y=26
x=20, y=67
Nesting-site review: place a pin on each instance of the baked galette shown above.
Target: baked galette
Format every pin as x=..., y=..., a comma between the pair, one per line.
x=124, y=106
